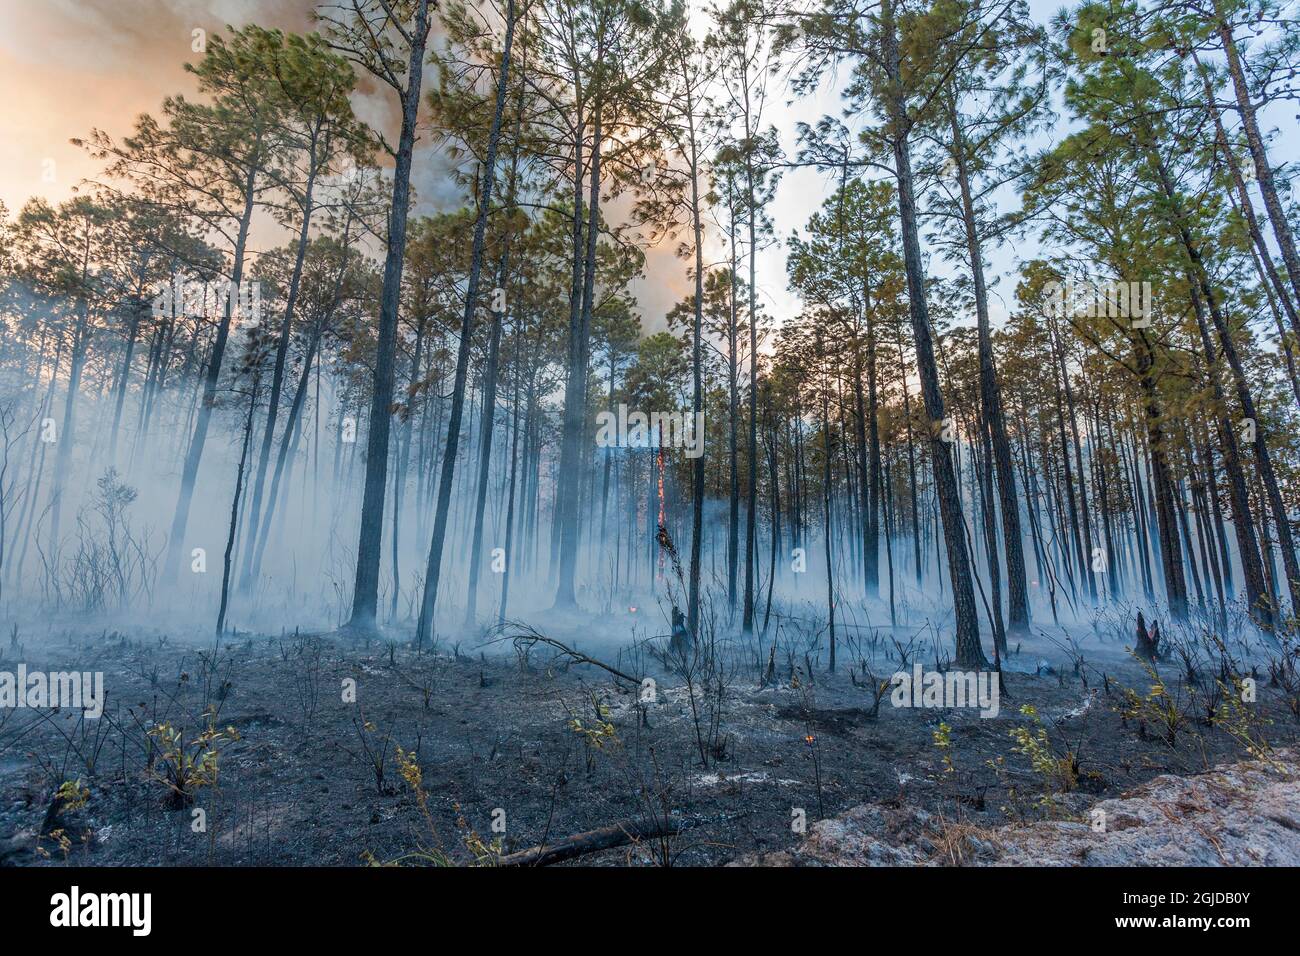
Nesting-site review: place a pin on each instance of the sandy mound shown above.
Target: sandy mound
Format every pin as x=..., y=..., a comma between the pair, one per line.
x=1242, y=814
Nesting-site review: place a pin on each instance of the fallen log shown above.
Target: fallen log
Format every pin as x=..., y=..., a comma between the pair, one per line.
x=593, y=841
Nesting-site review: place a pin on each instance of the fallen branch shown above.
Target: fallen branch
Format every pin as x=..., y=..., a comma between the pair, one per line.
x=531, y=637
x=593, y=841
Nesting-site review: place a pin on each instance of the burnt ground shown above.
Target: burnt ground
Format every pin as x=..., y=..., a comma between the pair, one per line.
x=562, y=747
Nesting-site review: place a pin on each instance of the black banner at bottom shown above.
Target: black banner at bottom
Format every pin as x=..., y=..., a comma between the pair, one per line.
x=187, y=906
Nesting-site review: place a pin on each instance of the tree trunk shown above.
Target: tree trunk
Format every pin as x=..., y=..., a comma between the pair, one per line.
x=277, y=379
x=365, y=594
x=991, y=403
x=189, y=476
x=434, y=567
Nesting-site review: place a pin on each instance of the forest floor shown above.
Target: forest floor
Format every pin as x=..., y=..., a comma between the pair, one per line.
x=521, y=745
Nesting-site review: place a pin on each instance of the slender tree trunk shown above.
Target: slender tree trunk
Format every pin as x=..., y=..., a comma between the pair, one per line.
x=234, y=508
x=277, y=378
x=1203, y=298
x=564, y=532
x=1259, y=154
x=733, y=423
x=826, y=505
x=189, y=476
x=124, y=378
x=968, y=651
x=991, y=403
x=697, y=364
x=434, y=569
x=66, y=435
x=751, y=514
x=299, y=399
x=490, y=373
x=365, y=594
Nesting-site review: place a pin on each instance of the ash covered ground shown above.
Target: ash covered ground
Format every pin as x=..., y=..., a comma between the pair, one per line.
x=303, y=748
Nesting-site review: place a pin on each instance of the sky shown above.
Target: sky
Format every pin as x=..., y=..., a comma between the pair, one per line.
x=72, y=65
x=67, y=66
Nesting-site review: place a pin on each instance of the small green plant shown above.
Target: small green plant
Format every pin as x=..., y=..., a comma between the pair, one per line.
x=408, y=768
x=373, y=752
x=1158, y=708
x=1059, y=773
x=943, y=741
x=598, y=733
x=183, y=767
x=1239, y=721
x=61, y=840
x=72, y=795
x=485, y=854
x=1284, y=674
